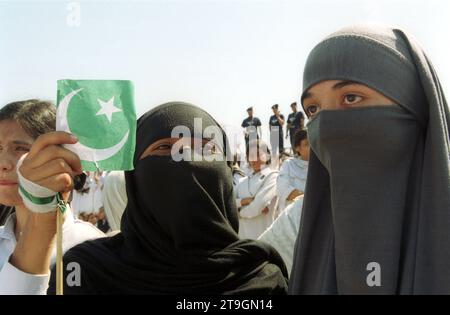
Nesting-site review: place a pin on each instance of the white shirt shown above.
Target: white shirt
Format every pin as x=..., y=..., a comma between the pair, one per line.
x=245, y=167
x=293, y=173
x=283, y=233
x=91, y=201
x=14, y=281
x=114, y=198
x=262, y=187
x=237, y=177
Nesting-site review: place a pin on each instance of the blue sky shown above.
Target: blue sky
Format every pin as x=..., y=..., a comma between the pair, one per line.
x=221, y=55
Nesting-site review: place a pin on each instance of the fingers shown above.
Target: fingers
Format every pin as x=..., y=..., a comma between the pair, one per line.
x=52, y=152
x=61, y=182
x=51, y=138
x=49, y=164
x=53, y=167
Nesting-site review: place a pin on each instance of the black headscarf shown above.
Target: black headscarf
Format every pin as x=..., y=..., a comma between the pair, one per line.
x=378, y=186
x=179, y=229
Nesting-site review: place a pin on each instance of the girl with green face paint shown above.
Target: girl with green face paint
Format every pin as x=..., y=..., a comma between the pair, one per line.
x=376, y=216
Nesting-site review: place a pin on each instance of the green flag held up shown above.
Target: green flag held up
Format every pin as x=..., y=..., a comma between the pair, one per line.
x=101, y=114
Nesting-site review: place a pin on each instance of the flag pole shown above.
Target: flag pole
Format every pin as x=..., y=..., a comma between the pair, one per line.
x=59, y=273
x=59, y=248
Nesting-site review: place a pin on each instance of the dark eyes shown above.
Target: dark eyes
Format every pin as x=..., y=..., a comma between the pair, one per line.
x=164, y=146
x=351, y=99
x=348, y=99
x=22, y=149
x=312, y=109
x=207, y=148
x=18, y=149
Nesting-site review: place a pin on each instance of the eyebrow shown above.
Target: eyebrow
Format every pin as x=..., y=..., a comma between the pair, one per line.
x=340, y=85
x=305, y=95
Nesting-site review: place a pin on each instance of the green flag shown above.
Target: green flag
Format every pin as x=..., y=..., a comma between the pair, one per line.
x=101, y=114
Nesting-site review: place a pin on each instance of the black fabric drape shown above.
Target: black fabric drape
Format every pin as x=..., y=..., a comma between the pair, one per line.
x=179, y=229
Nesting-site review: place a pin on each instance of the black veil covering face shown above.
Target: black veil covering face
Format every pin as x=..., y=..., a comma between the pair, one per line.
x=179, y=229
x=378, y=187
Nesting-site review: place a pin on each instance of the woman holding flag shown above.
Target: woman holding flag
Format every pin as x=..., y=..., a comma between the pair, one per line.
x=21, y=124
x=162, y=247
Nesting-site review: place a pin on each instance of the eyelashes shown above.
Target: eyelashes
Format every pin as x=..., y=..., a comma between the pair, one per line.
x=347, y=99
x=312, y=109
x=22, y=149
x=18, y=149
x=206, y=148
x=350, y=99
x=164, y=147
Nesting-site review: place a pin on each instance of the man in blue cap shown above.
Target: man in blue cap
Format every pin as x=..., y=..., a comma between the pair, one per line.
x=295, y=122
x=276, y=123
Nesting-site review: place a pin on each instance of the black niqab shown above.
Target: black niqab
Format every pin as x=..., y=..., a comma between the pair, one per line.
x=179, y=229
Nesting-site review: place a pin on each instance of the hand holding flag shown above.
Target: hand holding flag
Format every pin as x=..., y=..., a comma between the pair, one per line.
x=101, y=115
x=45, y=182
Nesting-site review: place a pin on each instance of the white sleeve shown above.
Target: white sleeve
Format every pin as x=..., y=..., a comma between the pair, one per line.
x=262, y=199
x=282, y=237
x=237, y=196
x=16, y=282
x=284, y=187
x=98, y=199
x=283, y=233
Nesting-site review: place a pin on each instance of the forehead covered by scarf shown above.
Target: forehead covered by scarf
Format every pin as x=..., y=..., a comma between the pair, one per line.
x=376, y=57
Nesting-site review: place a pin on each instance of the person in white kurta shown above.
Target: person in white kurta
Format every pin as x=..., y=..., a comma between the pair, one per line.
x=246, y=168
x=293, y=172
x=114, y=198
x=256, y=217
x=21, y=123
x=91, y=200
x=283, y=233
x=238, y=175
x=13, y=280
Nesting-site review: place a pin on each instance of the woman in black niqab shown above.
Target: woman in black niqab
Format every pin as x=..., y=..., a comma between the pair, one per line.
x=179, y=229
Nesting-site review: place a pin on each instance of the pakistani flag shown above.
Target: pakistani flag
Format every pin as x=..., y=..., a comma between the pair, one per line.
x=101, y=115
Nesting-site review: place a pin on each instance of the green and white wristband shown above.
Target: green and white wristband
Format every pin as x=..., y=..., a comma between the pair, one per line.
x=37, y=198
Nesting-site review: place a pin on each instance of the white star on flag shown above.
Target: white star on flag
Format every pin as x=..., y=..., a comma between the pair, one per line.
x=108, y=108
